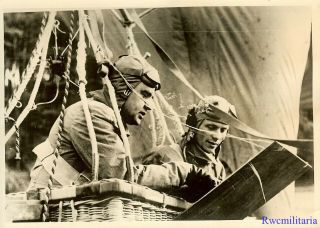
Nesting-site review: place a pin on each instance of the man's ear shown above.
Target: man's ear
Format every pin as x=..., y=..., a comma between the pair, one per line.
x=190, y=135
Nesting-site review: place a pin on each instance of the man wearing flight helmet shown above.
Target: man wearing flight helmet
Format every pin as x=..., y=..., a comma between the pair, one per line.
x=201, y=144
x=134, y=90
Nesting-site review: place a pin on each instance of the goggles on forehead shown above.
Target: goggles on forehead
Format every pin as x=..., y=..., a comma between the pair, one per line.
x=231, y=110
x=139, y=67
x=215, y=108
x=148, y=79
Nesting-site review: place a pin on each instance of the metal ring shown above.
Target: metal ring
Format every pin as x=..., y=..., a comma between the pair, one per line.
x=19, y=104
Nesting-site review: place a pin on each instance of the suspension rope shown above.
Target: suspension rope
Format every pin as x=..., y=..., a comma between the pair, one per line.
x=146, y=12
x=66, y=48
x=164, y=56
x=17, y=141
x=172, y=112
x=298, y=143
x=172, y=66
x=33, y=61
x=159, y=130
x=152, y=127
x=204, y=132
x=28, y=108
x=53, y=99
x=133, y=49
x=98, y=53
x=97, y=28
x=100, y=57
x=82, y=89
x=129, y=24
x=18, y=153
x=45, y=213
x=163, y=123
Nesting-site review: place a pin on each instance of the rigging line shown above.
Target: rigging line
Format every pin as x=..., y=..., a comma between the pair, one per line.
x=29, y=70
x=165, y=57
x=64, y=50
x=237, y=123
x=50, y=101
x=259, y=179
x=163, y=122
x=247, y=141
x=134, y=50
x=81, y=57
x=256, y=140
x=100, y=56
x=114, y=12
x=25, y=112
x=55, y=40
x=201, y=131
x=45, y=212
x=146, y=12
x=153, y=129
x=72, y=82
x=172, y=112
x=56, y=28
x=17, y=141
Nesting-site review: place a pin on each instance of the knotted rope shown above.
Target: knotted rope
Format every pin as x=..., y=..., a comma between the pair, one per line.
x=45, y=213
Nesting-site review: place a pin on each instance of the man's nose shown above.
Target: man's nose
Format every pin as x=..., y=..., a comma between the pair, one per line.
x=216, y=135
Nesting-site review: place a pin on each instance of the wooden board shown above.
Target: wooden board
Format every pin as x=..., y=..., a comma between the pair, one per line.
x=23, y=210
x=251, y=186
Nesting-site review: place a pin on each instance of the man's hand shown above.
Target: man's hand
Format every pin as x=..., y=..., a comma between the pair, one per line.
x=198, y=183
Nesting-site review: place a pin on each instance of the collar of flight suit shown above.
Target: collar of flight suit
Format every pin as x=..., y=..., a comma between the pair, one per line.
x=102, y=96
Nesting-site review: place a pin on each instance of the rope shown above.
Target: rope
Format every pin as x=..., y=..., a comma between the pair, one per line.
x=165, y=57
x=163, y=123
x=53, y=99
x=159, y=130
x=18, y=154
x=203, y=132
x=100, y=57
x=124, y=137
x=146, y=12
x=153, y=128
x=97, y=28
x=17, y=141
x=82, y=89
x=66, y=48
x=172, y=112
x=33, y=61
x=128, y=24
x=132, y=46
x=45, y=213
x=259, y=179
x=306, y=143
x=117, y=15
x=98, y=53
x=133, y=49
x=28, y=108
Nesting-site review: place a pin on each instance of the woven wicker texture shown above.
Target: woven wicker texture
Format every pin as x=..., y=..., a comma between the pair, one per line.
x=109, y=209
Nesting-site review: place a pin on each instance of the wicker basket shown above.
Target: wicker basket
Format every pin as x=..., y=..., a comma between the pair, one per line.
x=113, y=200
x=105, y=200
x=109, y=209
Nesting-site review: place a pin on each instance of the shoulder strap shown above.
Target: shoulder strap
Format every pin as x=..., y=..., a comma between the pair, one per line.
x=65, y=174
